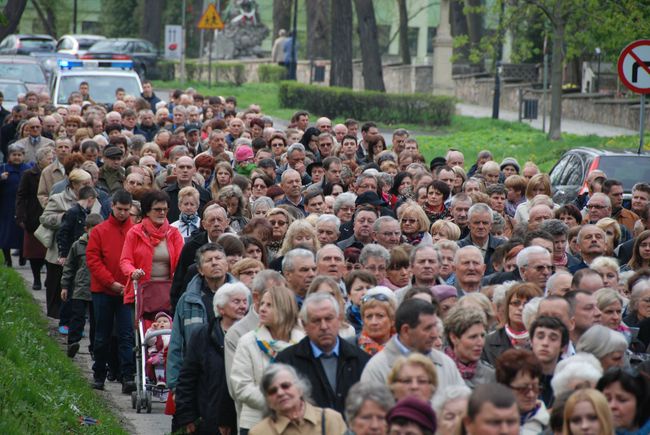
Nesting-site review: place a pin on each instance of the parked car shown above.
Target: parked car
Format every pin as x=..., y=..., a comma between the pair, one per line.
x=49, y=62
x=10, y=90
x=77, y=45
x=26, y=69
x=27, y=44
x=569, y=175
x=142, y=52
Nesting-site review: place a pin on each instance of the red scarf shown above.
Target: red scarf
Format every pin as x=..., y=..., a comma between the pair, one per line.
x=155, y=234
x=467, y=371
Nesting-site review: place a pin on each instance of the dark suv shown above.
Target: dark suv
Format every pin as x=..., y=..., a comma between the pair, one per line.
x=570, y=172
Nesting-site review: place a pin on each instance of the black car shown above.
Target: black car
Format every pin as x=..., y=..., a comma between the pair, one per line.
x=143, y=54
x=569, y=175
x=27, y=44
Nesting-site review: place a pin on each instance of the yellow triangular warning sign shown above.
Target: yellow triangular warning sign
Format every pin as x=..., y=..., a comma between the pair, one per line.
x=210, y=20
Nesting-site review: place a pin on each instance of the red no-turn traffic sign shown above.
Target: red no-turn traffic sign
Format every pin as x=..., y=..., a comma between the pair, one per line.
x=634, y=66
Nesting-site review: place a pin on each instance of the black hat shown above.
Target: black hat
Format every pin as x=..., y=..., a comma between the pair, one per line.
x=267, y=163
x=437, y=161
x=189, y=128
x=370, y=198
x=313, y=165
x=113, y=152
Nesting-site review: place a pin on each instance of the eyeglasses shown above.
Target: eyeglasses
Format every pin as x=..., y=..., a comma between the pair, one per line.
x=596, y=206
x=278, y=223
x=376, y=296
x=274, y=389
x=409, y=220
x=277, y=145
x=160, y=209
x=524, y=389
x=517, y=303
x=542, y=267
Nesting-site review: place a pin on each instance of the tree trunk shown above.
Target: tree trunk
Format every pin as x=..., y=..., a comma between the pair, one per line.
x=555, y=129
x=318, y=29
x=341, y=19
x=458, y=23
x=404, y=47
x=474, y=23
x=12, y=12
x=373, y=77
x=281, y=16
x=152, y=24
x=46, y=15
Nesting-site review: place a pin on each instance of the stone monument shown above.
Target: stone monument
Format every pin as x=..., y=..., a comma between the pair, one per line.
x=443, y=84
x=243, y=33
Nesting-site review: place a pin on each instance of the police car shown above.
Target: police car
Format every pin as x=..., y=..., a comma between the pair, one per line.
x=102, y=76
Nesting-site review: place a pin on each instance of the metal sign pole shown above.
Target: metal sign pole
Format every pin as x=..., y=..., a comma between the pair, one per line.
x=210, y=60
x=641, y=123
x=183, y=44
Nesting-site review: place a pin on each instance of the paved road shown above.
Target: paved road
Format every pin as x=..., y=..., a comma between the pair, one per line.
x=138, y=424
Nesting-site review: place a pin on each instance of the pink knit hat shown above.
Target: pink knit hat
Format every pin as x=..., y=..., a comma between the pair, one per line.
x=244, y=152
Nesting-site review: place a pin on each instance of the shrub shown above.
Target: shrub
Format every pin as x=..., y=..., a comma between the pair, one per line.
x=271, y=73
x=368, y=105
x=195, y=71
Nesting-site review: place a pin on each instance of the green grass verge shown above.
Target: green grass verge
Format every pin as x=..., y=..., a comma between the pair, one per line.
x=470, y=135
x=41, y=390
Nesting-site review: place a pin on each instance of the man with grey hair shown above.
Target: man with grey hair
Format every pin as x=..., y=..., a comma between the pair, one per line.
x=591, y=243
x=375, y=259
x=299, y=269
x=291, y=185
x=55, y=171
x=459, y=208
x=331, y=364
x=399, y=137
x=559, y=230
x=425, y=265
x=328, y=229
x=34, y=140
x=331, y=262
x=387, y=232
x=324, y=124
x=480, y=225
x=325, y=145
x=559, y=283
x=469, y=268
x=340, y=130
x=296, y=155
x=535, y=265
x=264, y=280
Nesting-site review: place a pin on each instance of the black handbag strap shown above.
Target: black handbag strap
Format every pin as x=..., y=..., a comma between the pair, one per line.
x=322, y=422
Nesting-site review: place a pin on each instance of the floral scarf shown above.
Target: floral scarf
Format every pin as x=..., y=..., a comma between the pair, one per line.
x=467, y=371
x=368, y=345
x=274, y=246
x=268, y=345
x=156, y=235
x=415, y=239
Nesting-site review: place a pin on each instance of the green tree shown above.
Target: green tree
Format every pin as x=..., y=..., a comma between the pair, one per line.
x=120, y=18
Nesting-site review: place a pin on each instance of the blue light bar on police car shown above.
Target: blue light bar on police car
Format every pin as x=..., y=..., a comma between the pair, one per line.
x=70, y=64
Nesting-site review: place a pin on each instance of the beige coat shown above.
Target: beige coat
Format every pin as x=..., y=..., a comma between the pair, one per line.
x=51, y=175
x=311, y=424
x=30, y=150
x=246, y=373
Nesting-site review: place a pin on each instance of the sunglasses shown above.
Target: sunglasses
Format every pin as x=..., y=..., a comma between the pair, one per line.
x=274, y=389
x=377, y=296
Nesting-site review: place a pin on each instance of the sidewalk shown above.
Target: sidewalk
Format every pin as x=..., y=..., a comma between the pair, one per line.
x=568, y=125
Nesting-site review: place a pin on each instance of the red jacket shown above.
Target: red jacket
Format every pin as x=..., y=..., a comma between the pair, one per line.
x=103, y=254
x=137, y=253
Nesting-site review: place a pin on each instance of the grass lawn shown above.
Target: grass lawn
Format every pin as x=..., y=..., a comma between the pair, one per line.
x=470, y=135
x=41, y=390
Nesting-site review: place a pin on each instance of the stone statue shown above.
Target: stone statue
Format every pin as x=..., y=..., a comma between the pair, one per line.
x=243, y=33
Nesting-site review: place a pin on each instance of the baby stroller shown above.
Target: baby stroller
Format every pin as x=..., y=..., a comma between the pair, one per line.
x=150, y=299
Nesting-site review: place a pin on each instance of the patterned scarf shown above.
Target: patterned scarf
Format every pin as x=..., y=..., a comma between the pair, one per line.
x=519, y=340
x=415, y=239
x=155, y=234
x=190, y=221
x=274, y=246
x=269, y=346
x=467, y=371
x=370, y=346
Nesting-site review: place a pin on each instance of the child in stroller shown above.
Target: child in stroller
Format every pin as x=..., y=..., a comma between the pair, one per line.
x=157, y=348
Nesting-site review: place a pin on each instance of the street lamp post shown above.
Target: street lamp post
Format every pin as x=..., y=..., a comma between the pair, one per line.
x=497, y=91
x=598, y=53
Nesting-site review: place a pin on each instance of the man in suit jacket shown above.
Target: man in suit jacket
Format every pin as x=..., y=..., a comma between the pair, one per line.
x=480, y=224
x=34, y=140
x=331, y=364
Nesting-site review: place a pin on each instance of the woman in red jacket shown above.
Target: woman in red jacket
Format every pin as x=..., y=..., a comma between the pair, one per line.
x=152, y=247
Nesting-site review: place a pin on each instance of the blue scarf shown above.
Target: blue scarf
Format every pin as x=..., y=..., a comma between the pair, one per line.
x=192, y=222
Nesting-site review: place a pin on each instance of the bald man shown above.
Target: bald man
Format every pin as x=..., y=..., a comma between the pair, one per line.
x=184, y=171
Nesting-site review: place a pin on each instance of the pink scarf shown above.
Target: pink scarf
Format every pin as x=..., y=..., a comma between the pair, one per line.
x=467, y=371
x=155, y=234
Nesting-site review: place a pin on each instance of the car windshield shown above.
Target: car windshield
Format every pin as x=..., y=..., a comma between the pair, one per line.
x=11, y=90
x=85, y=44
x=117, y=46
x=628, y=169
x=37, y=44
x=102, y=88
x=25, y=72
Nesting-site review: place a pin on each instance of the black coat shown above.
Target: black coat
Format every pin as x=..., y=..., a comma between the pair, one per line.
x=173, y=189
x=28, y=207
x=185, y=260
x=351, y=362
x=202, y=391
x=72, y=227
x=496, y=343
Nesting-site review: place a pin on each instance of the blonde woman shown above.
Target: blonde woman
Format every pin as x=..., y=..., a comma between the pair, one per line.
x=280, y=219
x=300, y=234
x=416, y=367
x=414, y=223
x=587, y=412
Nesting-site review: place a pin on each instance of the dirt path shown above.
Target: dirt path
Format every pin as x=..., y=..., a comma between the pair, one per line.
x=138, y=424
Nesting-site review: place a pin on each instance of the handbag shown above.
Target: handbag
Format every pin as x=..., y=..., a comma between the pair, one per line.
x=45, y=236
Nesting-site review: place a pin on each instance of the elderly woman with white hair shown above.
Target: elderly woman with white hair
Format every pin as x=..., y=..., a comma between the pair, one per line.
x=606, y=345
x=581, y=370
x=344, y=206
x=366, y=407
x=450, y=405
x=607, y=268
x=611, y=303
x=200, y=389
x=260, y=206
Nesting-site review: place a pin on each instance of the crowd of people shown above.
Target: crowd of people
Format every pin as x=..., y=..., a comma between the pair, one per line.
x=324, y=281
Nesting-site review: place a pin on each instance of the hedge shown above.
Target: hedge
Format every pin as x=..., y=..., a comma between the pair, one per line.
x=223, y=72
x=271, y=73
x=336, y=102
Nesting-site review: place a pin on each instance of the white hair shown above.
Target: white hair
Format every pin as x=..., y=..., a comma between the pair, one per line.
x=225, y=293
x=579, y=367
x=529, y=313
x=600, y=341
x=314, y=299
x=524, y=254
x=449, y=394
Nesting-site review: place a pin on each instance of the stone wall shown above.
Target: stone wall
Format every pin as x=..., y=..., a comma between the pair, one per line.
x=594, y=108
